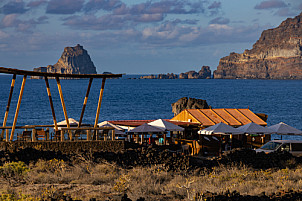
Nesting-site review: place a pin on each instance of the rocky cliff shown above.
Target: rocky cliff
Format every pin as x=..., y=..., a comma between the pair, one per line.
x=74, y=60
x=276, y=55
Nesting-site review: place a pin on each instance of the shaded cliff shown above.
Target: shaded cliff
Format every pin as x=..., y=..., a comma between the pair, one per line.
x=276, y=55
x=74, y=60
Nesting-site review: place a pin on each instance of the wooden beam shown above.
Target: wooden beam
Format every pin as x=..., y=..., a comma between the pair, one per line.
x=18, y=108
x=85, y=101
x=99, y=103
x=63, y=104
x=51, y=104
x=42, y=74
x=8, y=104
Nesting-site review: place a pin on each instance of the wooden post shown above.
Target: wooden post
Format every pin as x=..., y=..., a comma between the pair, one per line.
x=99, y=103
x=7, y=135
x=18, y=108
x=62, y=135
x=113, y=134
x=85, y=102
x=8, y=104
x=88, y=135
x=142, y=138
x=51, y=104
x=34, y=131
x=63, y=106
x=47, y=134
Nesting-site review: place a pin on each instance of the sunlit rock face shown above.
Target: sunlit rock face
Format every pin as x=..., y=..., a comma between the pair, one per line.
x=276, y=55
x=74, y=60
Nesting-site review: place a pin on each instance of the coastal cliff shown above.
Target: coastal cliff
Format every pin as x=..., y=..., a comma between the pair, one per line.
x=276, y=55
x=74, y=60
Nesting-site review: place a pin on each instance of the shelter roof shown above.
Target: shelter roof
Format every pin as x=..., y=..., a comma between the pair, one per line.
x=135, y=123
x=210, y=117
x=34, y=73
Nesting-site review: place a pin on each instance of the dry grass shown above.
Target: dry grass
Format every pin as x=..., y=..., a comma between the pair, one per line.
x=85, y=180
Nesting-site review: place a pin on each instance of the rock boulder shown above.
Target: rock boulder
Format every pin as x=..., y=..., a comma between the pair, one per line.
x=188, y=103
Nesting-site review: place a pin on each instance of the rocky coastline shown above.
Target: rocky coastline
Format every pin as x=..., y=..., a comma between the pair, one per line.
x=276, y=55
x=203, y=73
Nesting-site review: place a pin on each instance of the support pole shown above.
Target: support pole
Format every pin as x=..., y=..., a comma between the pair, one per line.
x=99, y=103
x=85, y=102
x=63, y=105
x=18, y=108
x=8, y=104
x=51, y=104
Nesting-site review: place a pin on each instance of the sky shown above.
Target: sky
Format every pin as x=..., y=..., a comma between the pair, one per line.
x=136, y=36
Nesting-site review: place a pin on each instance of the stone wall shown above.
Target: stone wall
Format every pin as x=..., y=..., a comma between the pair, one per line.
x=66, y=147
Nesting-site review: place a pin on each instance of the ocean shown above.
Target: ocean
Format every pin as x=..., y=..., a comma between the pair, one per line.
x=134, y=99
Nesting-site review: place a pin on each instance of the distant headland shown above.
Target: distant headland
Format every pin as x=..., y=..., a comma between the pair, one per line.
x=276, y=55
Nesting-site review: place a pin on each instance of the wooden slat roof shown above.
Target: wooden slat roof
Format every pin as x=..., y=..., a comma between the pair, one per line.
x=34, y=73
x=232, y=117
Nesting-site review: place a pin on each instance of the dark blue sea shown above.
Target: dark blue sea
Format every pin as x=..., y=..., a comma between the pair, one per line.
x=127, y=99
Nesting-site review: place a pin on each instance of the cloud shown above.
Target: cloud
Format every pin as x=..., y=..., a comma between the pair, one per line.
x=109, y=5
x=270, y=4
x=64, y=6
x=13, y=20
x=34, y=4
x=91, y=22
x=220, y=20
x=13, y=7
x=215, y=5
x=284, y=12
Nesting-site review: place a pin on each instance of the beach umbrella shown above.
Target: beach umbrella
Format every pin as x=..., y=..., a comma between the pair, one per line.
x=146, y=128
x=253, y=128
x=72, y=122
x=284, y=129
x=108, y=124
x=165, y=125
x=220, y=129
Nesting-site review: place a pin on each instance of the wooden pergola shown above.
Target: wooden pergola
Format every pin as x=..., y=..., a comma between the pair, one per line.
x=57, y=76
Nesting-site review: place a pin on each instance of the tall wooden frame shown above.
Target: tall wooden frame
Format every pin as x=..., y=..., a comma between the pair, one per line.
x=57, y=76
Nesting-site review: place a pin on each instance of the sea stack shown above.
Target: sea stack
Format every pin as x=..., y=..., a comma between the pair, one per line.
x=276, y=55
x=74, y=60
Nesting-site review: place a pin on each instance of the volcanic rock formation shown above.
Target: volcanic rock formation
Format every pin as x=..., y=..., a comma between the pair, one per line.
x=74, y=60
x=204, y=73
x=276, y=55
x=188, y=103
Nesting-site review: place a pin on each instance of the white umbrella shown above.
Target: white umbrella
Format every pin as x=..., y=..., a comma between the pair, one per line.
x=72, y=122
x=253, y=128
x=284, y=129
x=146, y=128
x=220, y=128
x=108, y=124
x=165, y=125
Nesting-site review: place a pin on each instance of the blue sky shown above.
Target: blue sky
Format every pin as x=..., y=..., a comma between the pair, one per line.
x=135, y=36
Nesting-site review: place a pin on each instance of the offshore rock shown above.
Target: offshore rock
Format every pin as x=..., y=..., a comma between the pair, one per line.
x=276, y=55
x=74, y=60
x=204, y=73
x=188, y=103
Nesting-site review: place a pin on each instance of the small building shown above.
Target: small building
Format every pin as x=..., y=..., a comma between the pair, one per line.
x=231, y=117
